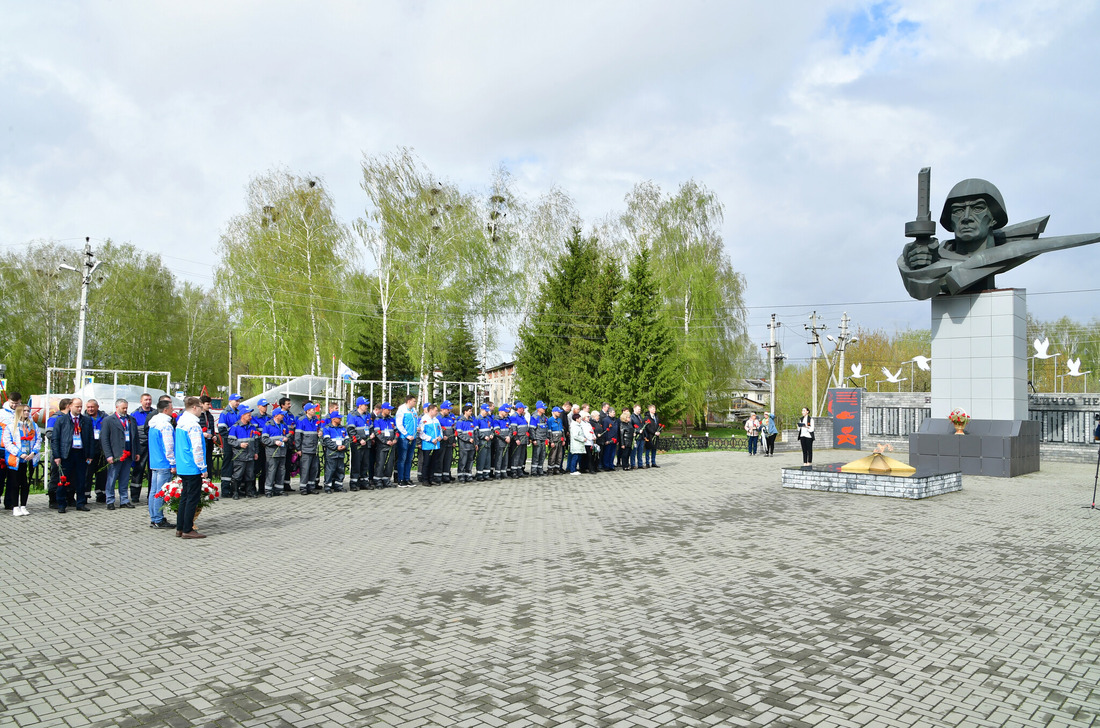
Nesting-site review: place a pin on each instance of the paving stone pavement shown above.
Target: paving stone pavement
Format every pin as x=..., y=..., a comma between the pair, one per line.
x=698, y=594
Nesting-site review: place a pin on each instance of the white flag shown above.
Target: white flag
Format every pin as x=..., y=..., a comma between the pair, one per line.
x=345, y=372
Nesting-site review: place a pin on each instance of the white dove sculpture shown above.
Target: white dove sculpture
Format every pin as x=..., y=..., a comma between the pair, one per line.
x=1041, y=349
x=922, y=362
x=856, y=371
x=892, y=378
x=1075, y=367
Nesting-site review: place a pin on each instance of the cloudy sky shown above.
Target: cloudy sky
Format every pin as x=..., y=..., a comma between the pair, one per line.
x=144, y=121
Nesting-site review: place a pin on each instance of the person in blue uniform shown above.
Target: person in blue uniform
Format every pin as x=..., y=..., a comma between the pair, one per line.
x=540, y=439
x=227, y=419
x=466, y=436
x=447, y=445
x=334, y=441
x=502, y=436
x=556, y=436
x=386, y=436
x=359, y=437
x=274, y=437
x=307, y=442
x=484, y=432
x=517, y=448
x=260, y=418
x=242, y=445
x=431, y=435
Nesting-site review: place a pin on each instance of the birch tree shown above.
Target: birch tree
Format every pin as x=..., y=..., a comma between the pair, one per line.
x=283, y=262
x=424, y=238
x=703, y=294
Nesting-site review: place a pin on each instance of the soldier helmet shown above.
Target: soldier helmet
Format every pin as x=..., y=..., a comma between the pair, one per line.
x=969, y=189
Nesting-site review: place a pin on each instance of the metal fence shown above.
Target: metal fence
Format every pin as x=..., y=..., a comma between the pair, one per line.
x=893, y=421
x=1068, y=426
x=673, y=444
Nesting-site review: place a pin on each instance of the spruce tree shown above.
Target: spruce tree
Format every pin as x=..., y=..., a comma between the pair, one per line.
x=365, y=354
x=548, y=364
x=459, y=359
x=641, y=363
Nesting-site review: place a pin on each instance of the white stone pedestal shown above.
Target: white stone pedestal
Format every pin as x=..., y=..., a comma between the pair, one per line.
x=979, y=355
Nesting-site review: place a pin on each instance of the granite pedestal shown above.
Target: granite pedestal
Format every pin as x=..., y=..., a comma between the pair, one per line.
x=979, y=355
x=999, y=448
x=979, y=364
x=924, y=483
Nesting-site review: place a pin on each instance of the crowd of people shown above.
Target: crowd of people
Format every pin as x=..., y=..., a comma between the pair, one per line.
x=376, y=444
x=265, y=446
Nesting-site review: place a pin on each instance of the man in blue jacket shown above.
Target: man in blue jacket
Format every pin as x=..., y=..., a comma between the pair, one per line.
x=359, y=435
x=275, y=439
x=556, y=431
x=431, y=435
x=484, y=431
x=119, y=438
x=227, y=419
x=242, y=446
x=447, y=445
x=540, y=439
x=407, y=422
x=307, y=440
x=386, y=437
x=260, y=418
x=333, y=440
x=162, y=461
x=466, y=438
x=142, y=414
x=190, y=466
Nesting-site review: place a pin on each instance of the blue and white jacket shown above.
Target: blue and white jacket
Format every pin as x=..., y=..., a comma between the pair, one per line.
x=189, y=449
x=162, y=442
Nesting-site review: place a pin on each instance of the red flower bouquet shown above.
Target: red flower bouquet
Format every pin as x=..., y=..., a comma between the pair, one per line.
x=173, y=490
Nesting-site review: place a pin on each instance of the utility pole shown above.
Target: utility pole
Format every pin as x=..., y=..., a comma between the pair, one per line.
x=773, y=356
x=841, y=345
x=815, y=343
x=89, y=267
x=229, y=382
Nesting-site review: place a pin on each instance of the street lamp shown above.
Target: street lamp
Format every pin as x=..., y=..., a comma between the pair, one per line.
x=90, y=265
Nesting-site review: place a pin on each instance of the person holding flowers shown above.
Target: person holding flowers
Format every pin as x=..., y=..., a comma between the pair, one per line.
x=119, y=440
x=190, y=466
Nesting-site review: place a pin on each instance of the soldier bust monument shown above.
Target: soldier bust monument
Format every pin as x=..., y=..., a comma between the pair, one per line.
x=979, y=347
x=984, y=244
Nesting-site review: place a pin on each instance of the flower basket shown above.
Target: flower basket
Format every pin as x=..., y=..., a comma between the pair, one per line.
x=959, y=418
x=173, y=490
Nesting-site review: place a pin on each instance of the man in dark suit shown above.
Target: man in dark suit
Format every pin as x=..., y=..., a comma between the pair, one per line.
x=74, y=446
x=119, y=439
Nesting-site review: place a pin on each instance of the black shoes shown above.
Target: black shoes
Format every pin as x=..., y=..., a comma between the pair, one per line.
x=162, y=525
x=110, y=506
x=86, y=509
x=127, y=505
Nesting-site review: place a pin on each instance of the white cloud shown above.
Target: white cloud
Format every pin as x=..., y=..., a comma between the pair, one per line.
x=144, y=121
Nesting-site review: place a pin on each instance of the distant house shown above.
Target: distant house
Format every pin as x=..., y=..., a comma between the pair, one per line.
x=749, y=395
x=502, y=382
